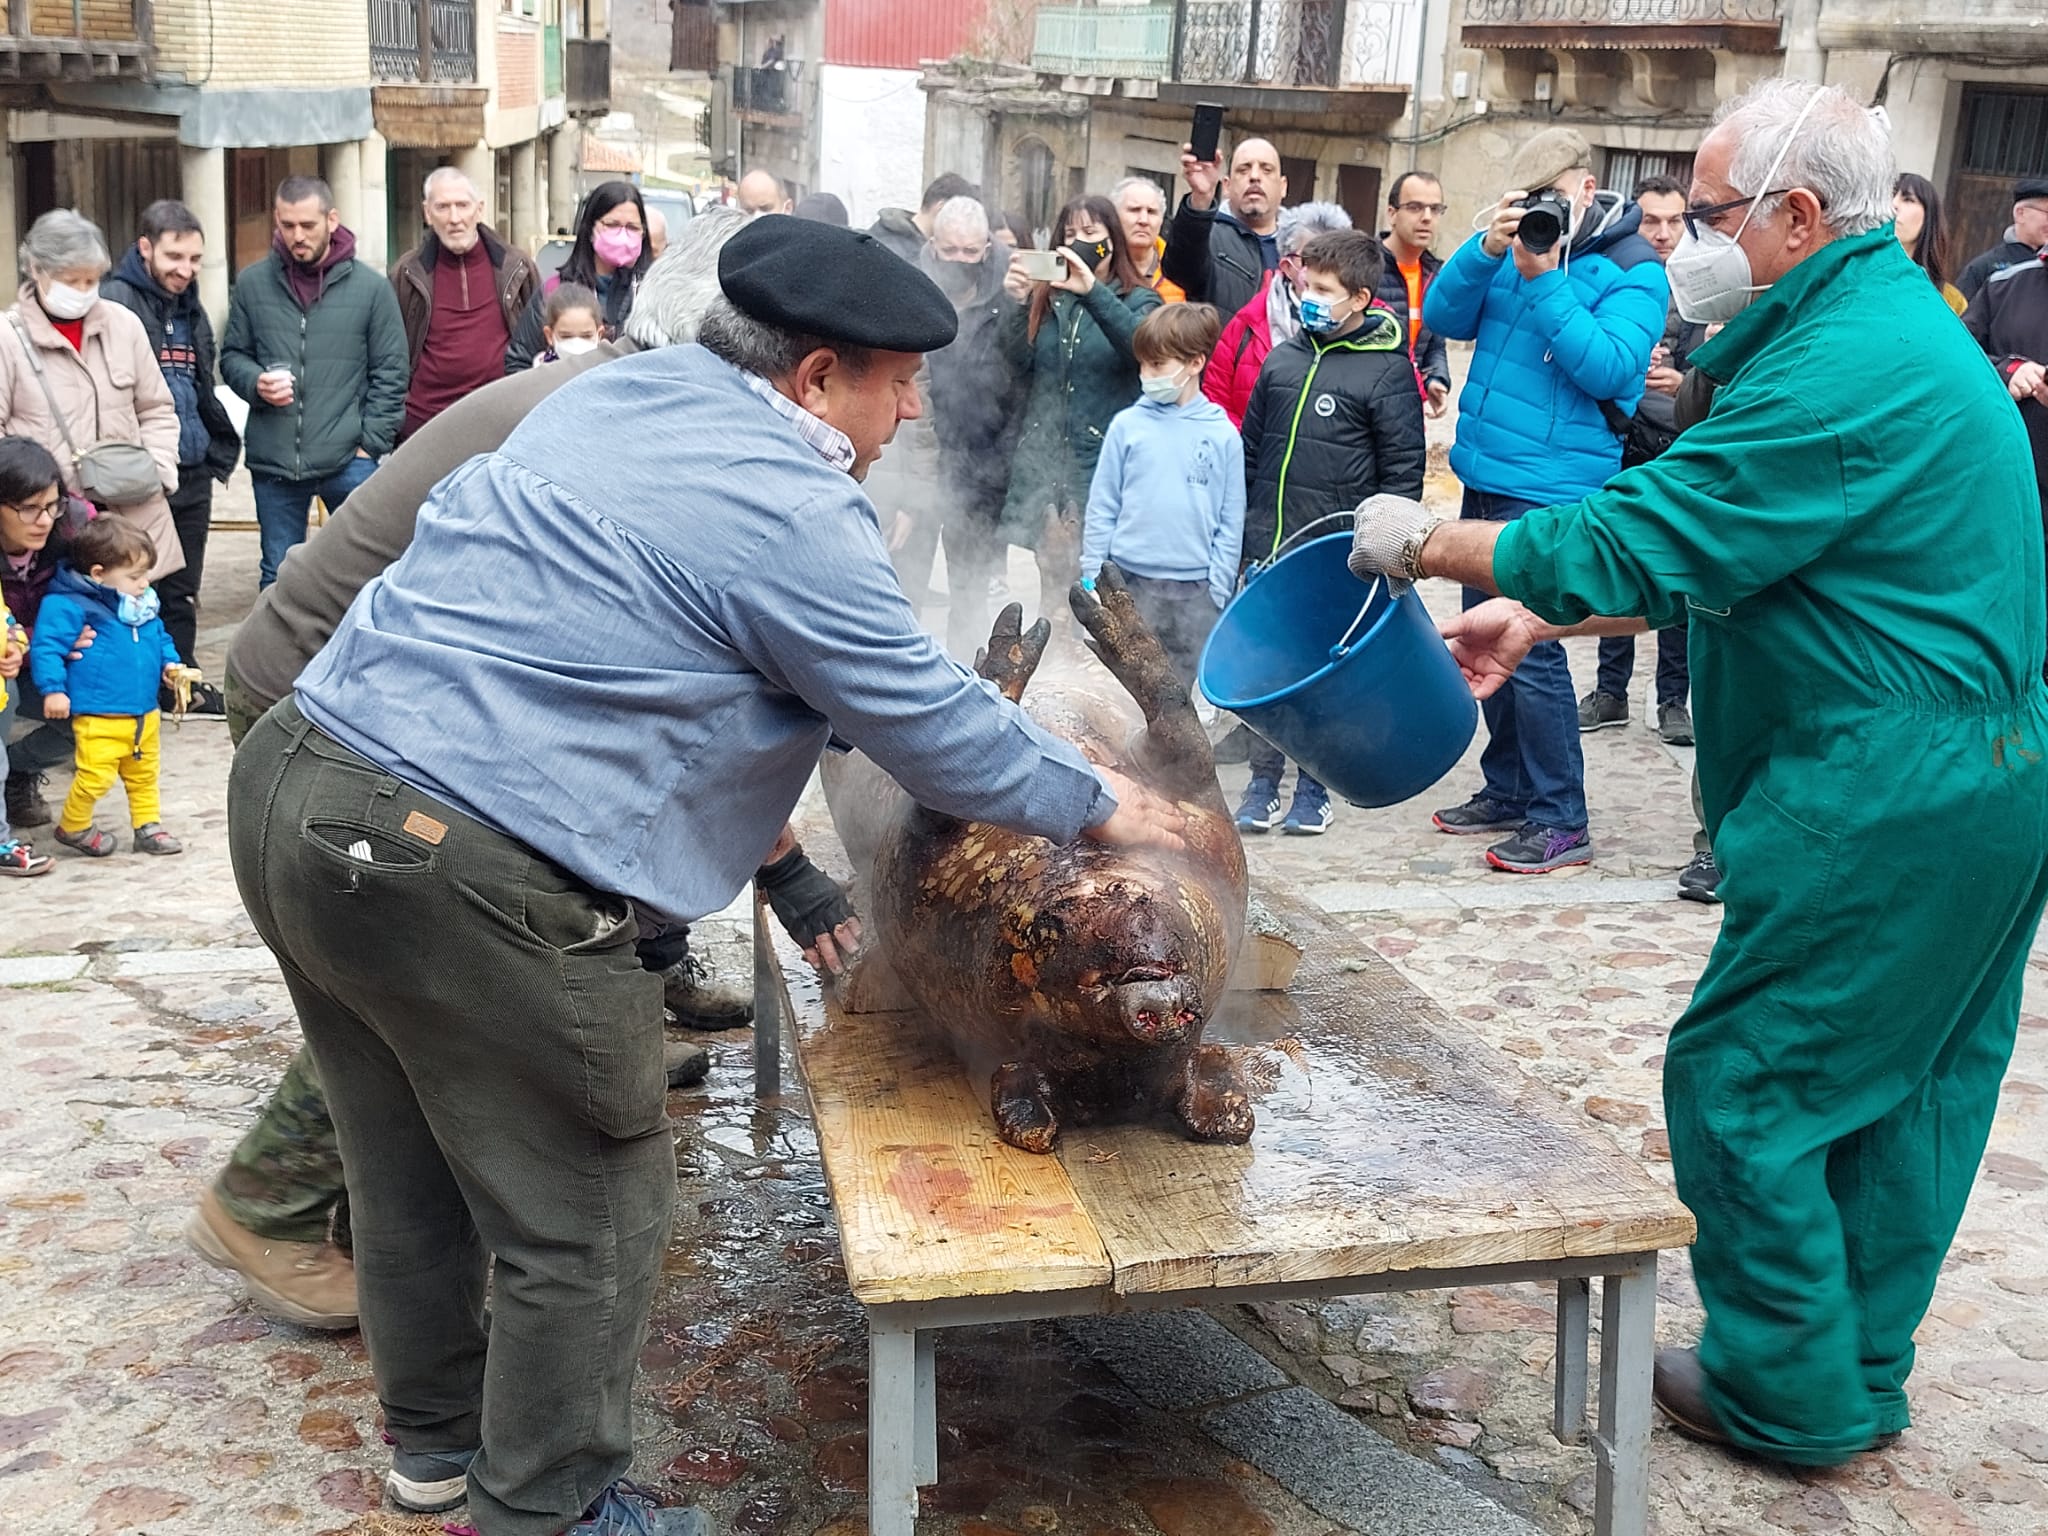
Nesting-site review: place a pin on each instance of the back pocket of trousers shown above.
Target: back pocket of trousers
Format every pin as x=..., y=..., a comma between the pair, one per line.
x=364, y=848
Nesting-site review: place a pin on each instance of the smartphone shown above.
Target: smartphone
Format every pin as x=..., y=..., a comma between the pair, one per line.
x=1043, y=266
x=1207, y=133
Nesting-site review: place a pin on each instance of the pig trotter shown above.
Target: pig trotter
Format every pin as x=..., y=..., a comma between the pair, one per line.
x=1022, y=1099
x=1013, y=652
x=1176, y=745
x=1214, y=1104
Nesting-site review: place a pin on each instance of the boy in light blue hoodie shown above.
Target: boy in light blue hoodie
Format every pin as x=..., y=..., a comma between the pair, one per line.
x=1167, y=502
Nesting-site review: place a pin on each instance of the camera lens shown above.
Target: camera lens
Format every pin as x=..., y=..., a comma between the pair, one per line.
x=1540, y=228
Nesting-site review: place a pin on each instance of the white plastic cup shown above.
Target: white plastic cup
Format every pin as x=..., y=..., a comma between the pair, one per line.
x=279, y=373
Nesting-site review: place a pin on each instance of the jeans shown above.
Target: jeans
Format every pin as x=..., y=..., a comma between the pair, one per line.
x=491, y=1051
x=1618, y=665
x=1533, y=761
x=192, y=516
x=282, y=505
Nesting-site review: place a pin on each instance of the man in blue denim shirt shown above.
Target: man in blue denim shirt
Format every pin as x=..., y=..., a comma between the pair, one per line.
x=599, y=677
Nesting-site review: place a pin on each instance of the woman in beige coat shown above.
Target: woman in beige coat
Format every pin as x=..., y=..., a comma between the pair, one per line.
x=108, y=387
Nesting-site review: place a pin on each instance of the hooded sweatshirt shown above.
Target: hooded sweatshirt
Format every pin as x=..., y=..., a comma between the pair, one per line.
x=308, y=281
x=177, y=349
x=1168, y=496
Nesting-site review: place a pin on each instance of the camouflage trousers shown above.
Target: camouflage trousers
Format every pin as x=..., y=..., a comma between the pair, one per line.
x=283, y=1181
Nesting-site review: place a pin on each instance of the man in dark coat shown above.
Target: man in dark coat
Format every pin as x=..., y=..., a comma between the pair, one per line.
x=158, y=279
x=1221, y=255
x=2024, y=237
x=904, y=232
x=1414, y=205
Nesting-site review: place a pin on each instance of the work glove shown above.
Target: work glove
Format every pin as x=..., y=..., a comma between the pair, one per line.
x=1386, y=540
x=805, y=900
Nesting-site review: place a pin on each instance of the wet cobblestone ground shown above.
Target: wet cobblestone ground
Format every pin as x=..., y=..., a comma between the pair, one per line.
x=138, y=1030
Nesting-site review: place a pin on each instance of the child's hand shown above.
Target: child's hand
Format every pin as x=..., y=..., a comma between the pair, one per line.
x=171, y=671
x=56, y=706
x=10, y=658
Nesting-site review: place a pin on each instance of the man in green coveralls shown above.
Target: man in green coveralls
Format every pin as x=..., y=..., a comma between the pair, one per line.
x=1854, y=536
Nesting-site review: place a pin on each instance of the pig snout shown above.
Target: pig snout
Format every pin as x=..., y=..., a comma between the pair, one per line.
x=1159, y=1010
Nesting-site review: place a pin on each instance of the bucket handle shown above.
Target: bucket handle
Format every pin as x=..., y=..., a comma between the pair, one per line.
x=1343, y=647
x=1259, y=567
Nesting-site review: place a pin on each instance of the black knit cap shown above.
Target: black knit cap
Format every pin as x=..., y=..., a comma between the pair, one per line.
x=2027, y=188
x=836, y=284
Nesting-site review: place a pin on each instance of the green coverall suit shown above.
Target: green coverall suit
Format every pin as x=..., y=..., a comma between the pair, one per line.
x=1855, y=533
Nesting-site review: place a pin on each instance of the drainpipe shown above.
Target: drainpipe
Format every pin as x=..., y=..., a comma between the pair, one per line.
x=1415, y=91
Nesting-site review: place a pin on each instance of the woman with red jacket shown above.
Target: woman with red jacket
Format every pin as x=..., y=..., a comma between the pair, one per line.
x=1270, y=318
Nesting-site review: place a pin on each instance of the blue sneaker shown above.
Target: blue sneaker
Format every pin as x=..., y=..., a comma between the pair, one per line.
x=1259, y=810
x=627, y=1509
x=428, y=1482
x=1311, y=813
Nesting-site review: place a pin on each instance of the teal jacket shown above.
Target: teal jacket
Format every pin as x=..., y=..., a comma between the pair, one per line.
x=349, y=367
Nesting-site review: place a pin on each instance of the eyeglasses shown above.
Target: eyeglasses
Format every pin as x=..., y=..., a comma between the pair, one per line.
x=42, y=512
x=1695, y=217
x=1439, y=209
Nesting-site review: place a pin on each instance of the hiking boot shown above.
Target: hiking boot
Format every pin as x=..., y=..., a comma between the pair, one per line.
x=1701, y=880
x=428, y=1482
x=1311, y=814
x=1259, y=810
x=686, y=1064
x=19, y=861
x=311, y=1284
x=1680, y=1390
x=699, y=1001
x=1674, y=724
x=1481, y=813
x=1234, y=746
x=627, y=1509
x=92, y=842
x=1598, y=711
x=1537, y=850
x=207, y=703
x=26, y=806
x=151, y=837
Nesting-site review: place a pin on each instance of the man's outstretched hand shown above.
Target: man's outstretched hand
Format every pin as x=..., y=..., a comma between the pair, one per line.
x=1489, y=642
x=1141, y=819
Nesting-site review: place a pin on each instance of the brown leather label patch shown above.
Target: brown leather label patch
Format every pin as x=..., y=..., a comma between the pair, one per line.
x=425, y=828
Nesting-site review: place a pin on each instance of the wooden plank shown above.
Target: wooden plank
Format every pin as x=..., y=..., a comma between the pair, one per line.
x=1410, y=1144
x=930, y=1204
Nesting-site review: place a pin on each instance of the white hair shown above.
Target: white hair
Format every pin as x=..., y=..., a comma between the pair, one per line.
x=448, y=173
x=1841, y=153
x=63, y=240
x=1116, y=193
x=1304, y=221
x=678, y=290
x=966, y=214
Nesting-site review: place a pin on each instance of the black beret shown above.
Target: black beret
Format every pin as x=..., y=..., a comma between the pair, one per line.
x=2027, y=188
x=837, y=284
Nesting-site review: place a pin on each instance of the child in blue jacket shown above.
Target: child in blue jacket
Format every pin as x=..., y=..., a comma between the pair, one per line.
x=109, y=693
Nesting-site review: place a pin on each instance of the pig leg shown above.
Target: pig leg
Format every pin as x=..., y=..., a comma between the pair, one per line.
x=1213, y=1103
x=1013, y=652
x=1175, y=744
x=1021, y=1097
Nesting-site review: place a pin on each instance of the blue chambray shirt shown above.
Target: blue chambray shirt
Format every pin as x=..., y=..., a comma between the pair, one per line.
x=624, y=638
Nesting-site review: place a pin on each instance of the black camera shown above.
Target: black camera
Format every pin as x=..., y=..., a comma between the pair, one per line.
x=1545, y=218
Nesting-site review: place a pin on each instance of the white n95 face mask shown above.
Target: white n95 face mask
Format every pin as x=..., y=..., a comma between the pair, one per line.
x=1710, y=276
x=575, y=346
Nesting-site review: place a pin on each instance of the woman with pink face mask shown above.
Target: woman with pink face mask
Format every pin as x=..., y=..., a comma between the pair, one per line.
x=610, y=253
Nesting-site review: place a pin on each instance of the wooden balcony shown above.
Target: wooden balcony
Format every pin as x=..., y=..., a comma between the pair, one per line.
x=588, y=74
x=77, y=40
x=423, y=42
x=1739, y=26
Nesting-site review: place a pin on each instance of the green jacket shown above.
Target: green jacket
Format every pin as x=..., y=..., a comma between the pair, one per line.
x=1081, y=374
x=349, y=369
x=1845, y=569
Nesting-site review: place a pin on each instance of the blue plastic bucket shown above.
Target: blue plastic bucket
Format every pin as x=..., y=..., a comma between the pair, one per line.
x=1379, y=718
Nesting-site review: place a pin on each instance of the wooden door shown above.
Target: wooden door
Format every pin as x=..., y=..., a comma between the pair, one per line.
x=1358, y=194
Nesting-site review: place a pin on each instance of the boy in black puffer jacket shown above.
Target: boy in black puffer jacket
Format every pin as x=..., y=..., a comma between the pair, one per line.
x=1335, y=417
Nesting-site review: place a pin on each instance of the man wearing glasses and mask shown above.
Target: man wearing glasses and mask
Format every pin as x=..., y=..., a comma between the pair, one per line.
x=1853, y=531
x=1413, y=208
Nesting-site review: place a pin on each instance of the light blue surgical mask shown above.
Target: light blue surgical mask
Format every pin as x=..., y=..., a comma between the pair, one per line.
x=1319, y=316
x=132, y=609
x=1163, y=388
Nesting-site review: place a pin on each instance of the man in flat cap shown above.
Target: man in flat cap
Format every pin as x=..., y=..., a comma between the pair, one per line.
x=595, y=683
x=2025, y=238
x=1565, y=313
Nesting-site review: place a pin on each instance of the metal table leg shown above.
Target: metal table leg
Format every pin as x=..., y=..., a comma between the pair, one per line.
x=767, y=1008
x=927, y=1410
x=894, y=1438
x=1628, y=1345
x=1569, y=1420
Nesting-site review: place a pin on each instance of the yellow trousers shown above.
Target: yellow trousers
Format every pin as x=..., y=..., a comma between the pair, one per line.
x=106, y=747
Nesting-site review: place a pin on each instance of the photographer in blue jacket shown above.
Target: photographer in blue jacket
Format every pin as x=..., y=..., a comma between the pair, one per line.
x=1564, y=299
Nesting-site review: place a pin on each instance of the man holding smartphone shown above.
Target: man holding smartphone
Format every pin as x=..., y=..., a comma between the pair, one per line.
x=1221, y=255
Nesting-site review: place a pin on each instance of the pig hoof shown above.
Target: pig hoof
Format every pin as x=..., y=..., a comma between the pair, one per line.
x=1214, y=1104
x=1021, y=1097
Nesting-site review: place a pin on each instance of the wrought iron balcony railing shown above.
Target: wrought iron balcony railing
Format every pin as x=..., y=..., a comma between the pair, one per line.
x=399, y=54
x=1320, y=43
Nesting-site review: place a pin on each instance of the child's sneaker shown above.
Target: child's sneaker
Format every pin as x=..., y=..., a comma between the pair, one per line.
x=151, y=837
x=1311, y=814
x=428, y=1482
x=1259, y=810
x=92, y=842
x=20, y=861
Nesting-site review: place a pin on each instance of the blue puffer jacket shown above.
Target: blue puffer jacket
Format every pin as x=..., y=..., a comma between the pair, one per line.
x=1549, y=351
x=119, y=672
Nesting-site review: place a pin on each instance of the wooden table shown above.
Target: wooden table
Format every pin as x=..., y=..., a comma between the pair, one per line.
x=1409, y=1156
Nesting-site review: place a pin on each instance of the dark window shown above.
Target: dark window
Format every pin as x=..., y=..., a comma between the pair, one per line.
x=1301, y=179
x=1621, y=169
x=2003, y=134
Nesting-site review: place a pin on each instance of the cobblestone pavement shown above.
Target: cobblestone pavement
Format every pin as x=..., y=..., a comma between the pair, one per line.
x=138, y=1394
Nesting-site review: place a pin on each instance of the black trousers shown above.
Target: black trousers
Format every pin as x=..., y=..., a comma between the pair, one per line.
x=192, y=516
x=1618, y=665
